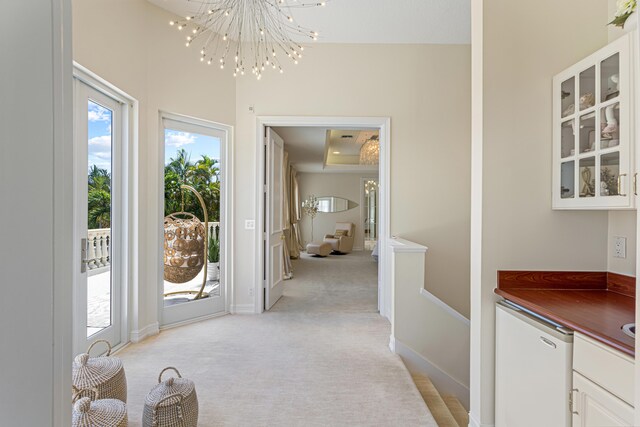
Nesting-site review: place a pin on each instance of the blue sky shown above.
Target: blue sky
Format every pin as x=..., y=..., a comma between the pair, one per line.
x=194, y=143
x=99, y=125
x=99, y=136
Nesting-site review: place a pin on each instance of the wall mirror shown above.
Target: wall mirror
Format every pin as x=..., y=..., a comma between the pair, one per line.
x=332, y=204
x=370, y=212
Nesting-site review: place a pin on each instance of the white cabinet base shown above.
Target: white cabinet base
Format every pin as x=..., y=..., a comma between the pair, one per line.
x=593, y=406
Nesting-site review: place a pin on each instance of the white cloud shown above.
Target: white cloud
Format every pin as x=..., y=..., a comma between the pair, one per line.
x=104, y=155
x=98, y=113
x=178, y=139
x=100, y=141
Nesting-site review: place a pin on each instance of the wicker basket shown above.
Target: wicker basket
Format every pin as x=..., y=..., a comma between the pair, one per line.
x=171, y=403
x=105, y=374
x=99, y=413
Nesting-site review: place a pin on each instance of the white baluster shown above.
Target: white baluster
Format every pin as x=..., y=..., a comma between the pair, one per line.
x=91, y=256
x=99, y=251
x=107, y=242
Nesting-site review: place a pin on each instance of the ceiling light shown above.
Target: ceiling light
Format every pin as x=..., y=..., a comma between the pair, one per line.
x=336, y=152
x=370, y=151
x=257, y=28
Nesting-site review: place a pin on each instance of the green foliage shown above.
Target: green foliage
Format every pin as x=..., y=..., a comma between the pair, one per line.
x=213, y=253
x=99, y=198
x=202, y=175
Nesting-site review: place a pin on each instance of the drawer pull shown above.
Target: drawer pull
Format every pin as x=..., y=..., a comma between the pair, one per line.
x=548, y=342
x=571, y=401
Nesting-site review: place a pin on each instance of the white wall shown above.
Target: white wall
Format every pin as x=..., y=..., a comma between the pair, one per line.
x=621, y=223
x=35, y=188
x=523, y=45
x=130, y=44
x=425, y=89
x=345, y=185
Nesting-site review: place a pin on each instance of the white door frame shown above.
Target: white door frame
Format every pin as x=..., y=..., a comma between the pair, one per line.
x=128, y=271
x=385, y=291
x=226, y=212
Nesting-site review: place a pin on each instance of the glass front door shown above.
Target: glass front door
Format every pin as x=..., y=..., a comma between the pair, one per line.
x=193, y=227
x=97, y=180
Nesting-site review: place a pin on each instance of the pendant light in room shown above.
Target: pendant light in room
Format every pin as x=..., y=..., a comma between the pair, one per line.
x=370, y=151
x=247, y=35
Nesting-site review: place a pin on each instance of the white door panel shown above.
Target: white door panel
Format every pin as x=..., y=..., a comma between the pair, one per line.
x=275, y=216
x=98, y=217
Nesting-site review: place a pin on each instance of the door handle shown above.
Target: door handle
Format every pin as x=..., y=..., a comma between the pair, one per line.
x=619, y=185
x=548, y=342
x=84, y=255
x=635, y=183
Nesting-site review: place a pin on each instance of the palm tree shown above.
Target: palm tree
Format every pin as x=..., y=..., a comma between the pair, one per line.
x=181, y=164
x=203, y=175
x=99, y=198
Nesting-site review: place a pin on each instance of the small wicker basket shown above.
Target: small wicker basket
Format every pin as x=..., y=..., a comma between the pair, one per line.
x=105, y=374
x=99, y=413
x=171, y=403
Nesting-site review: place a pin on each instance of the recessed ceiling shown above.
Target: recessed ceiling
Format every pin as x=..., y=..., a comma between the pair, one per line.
x=374, y=21
x=311, y=149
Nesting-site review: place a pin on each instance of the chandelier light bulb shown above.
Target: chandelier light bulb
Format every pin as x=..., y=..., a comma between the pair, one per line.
x=262, y=29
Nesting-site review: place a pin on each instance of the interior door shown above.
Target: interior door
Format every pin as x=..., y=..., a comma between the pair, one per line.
x=274, y=219
x=98, y=215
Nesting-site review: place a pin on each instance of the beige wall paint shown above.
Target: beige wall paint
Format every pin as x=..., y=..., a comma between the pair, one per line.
x=525, y=44
x=621, y=223
x=425, y=89
x=345, y=185
x=130, y=44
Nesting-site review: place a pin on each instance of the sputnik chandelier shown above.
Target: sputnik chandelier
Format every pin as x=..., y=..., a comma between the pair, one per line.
x=247, y=35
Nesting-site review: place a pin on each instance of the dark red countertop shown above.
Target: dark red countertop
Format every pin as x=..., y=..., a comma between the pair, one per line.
x=595, y=304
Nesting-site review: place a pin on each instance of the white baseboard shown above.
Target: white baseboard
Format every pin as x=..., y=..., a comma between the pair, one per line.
x=418, y=364
x=243, y=309
x=194, y=320
x=473, y=422
x=147, y=331
x=392, y=343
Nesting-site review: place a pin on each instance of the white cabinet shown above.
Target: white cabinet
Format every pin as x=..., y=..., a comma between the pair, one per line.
x=533, y=370
x=603, y=385
x=592, y=131
x=593, y=406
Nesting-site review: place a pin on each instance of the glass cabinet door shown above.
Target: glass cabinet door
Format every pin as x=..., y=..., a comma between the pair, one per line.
x=592, y=133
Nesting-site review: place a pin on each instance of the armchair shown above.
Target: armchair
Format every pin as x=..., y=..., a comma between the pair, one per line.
x=341, y=240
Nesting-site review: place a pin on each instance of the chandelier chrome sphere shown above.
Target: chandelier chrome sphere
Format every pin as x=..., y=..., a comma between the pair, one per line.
x=247, y=35
x=370, y=151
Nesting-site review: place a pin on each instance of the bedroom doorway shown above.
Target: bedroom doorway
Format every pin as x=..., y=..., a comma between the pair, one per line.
x=272, y=271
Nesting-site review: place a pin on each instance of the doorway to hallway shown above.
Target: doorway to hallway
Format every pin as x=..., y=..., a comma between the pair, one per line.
x=320, y=219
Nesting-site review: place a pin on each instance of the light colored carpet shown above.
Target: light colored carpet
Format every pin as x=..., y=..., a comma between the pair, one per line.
x=320, y=357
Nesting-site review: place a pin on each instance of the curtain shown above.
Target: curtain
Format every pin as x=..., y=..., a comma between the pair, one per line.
x=286, y=211
x=295, y=215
